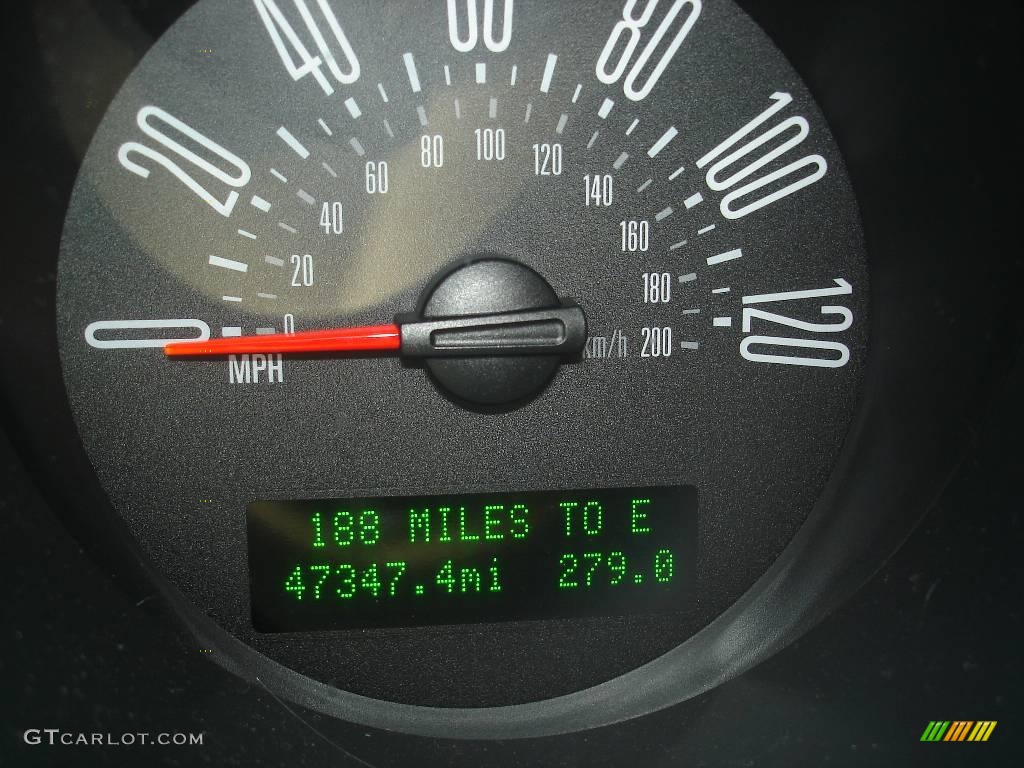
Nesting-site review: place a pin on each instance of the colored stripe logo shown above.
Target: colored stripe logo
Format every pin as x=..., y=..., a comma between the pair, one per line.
x=958, y=730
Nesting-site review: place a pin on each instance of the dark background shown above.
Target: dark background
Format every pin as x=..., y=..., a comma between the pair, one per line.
x=920, y=97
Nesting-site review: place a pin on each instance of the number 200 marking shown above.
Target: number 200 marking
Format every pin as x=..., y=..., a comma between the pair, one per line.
x=657, y=342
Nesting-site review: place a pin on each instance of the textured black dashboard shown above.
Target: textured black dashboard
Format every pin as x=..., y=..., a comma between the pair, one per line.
x=911, y=95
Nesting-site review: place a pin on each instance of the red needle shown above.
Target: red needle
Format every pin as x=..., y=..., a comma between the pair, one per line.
x=368, y=338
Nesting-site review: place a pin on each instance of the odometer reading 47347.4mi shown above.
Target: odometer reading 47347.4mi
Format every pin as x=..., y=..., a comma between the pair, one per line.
x=404, y=561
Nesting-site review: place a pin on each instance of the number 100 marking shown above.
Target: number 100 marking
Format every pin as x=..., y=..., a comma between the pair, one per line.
x=490, y=143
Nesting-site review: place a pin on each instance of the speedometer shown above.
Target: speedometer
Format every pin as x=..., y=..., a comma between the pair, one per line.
x=466, y=354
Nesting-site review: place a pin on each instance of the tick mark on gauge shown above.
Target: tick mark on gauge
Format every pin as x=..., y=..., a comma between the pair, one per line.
x=576, y=93
x=691, y=311
x=675, y=173
x=593, y=139
x=620, y=161
x=677, y=246
x=330, y=170
x=632, y=126
x=606, y=108
x=265, y=331
x=410, y=70
x=693, y=200
x=664, y=213
x=422, y=113
x=220, y=261
x=688, y=278
x=549, y=72
x=305, y=197
x=235, y=299
x=458, y=110
x=493, y=109
x=270, y=296
x=662, y=142
x=296, y=145
x=278, y=175
x=689, y=345
x=481, y=73
x=356, y=146
x=727, y=256
x=529, y=109
x=720, y=290
x=274, y=261
x=323, y=125
x=387, y=127
x=706, y=229
x=259, y=202
x=447, y=75
x=229, y=331
x=353, y=108
x=561, y=124
x=249, y=235
x=285, y=227
x=644, y=186
x=722, y=322
x=512, y=79
x=383, y=93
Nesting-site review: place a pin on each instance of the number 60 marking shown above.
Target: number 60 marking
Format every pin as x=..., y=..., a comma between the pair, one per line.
x=472, y=26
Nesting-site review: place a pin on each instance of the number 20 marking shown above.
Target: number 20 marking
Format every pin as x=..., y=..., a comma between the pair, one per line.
x=146, y=118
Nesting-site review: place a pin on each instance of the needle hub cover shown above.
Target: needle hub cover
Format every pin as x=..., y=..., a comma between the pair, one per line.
x=488, y=286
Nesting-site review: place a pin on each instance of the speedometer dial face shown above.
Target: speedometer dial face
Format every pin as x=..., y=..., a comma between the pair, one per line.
x=283, y=166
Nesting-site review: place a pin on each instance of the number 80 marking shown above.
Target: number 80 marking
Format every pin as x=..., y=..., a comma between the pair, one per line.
x=634, y=26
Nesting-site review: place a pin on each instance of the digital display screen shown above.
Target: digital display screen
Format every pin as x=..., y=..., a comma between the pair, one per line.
x=407, y=561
